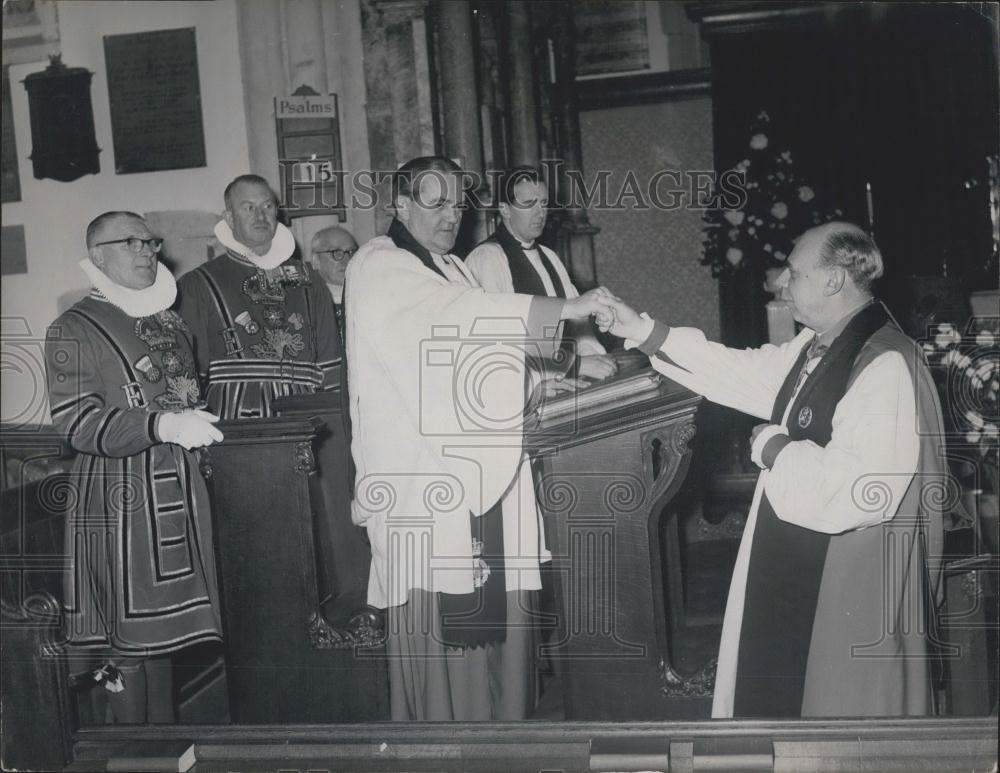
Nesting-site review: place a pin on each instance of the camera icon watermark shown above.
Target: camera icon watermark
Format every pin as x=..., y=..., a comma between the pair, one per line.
x=966, y=368
x=485, y=383
x=22, y=373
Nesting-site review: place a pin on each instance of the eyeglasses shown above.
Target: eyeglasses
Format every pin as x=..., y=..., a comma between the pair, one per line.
x=135, y=244
x=337, y=254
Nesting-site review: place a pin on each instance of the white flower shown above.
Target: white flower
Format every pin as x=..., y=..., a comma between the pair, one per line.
x=779, y=255
x=734, y=255
x=984, y=338
x=768, y=248
x=946, y=336
x=950, y=356
x=806, y=193
x=990, y=431
x=787, y=155
x=758, y=141
x=974, y=419
x=734, y=216
x=743, y=165
x=963, y=361
x=973, y=436
x=751, y=230
x=928, y=348
x=780, y=210
x=984, y=370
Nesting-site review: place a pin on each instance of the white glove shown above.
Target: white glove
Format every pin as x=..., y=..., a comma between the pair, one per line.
x=188, y=429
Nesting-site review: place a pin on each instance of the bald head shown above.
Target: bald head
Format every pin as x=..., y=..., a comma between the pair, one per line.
x=100, y=225
x=830, y=273
x=331, y=249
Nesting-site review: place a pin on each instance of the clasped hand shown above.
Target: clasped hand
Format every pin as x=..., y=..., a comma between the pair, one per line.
x=611, y=313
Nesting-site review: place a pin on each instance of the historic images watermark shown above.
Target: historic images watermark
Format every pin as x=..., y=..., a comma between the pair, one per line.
x=665, y=190
x=589, y=622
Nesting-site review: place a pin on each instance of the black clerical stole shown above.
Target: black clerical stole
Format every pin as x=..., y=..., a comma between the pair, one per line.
x=403, y=239
x=522, y=273
x=787, y=561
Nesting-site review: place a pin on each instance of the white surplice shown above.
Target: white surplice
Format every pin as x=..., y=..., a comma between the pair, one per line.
x=875, y=439
x=437, y=392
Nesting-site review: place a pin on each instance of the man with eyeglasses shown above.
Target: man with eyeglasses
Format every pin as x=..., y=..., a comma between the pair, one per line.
x=331, y=249
x=123, y=390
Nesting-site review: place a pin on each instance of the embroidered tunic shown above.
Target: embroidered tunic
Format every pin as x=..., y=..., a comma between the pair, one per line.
x=139, y=533
x=260, y=334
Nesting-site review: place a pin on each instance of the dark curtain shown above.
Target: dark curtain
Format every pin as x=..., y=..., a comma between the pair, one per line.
x=899, y=95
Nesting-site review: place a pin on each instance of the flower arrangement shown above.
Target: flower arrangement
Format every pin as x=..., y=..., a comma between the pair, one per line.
x=778, y=207
x=968, y=375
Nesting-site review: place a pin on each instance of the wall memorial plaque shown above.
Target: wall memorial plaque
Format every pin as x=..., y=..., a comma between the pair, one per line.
x=155, y=100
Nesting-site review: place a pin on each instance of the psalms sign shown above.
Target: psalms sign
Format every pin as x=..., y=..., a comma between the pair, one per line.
x=155, y=100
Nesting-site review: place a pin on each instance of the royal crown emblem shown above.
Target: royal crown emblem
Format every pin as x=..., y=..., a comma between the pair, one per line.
x=156, y=335
x=260, y=287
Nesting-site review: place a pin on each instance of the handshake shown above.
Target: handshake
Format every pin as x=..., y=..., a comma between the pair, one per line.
x=611, y=313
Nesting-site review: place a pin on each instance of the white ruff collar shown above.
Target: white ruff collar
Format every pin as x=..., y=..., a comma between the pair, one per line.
x=158, y=297
x=282, y=246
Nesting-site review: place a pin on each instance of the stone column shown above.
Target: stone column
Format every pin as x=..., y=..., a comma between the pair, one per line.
x=284, y=46
x=460, y=103
x=262, y=60
x=576, y=234
x=305, y=65
x=305, y=50
x=523, y=106
x=462, y=136
x=399, y=110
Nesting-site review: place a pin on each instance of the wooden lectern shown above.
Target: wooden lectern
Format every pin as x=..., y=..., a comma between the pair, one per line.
x=613, y=456
x=280, y=660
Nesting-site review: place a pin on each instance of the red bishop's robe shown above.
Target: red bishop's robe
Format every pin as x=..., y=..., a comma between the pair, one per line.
x=138, y=532
x=260, y=334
